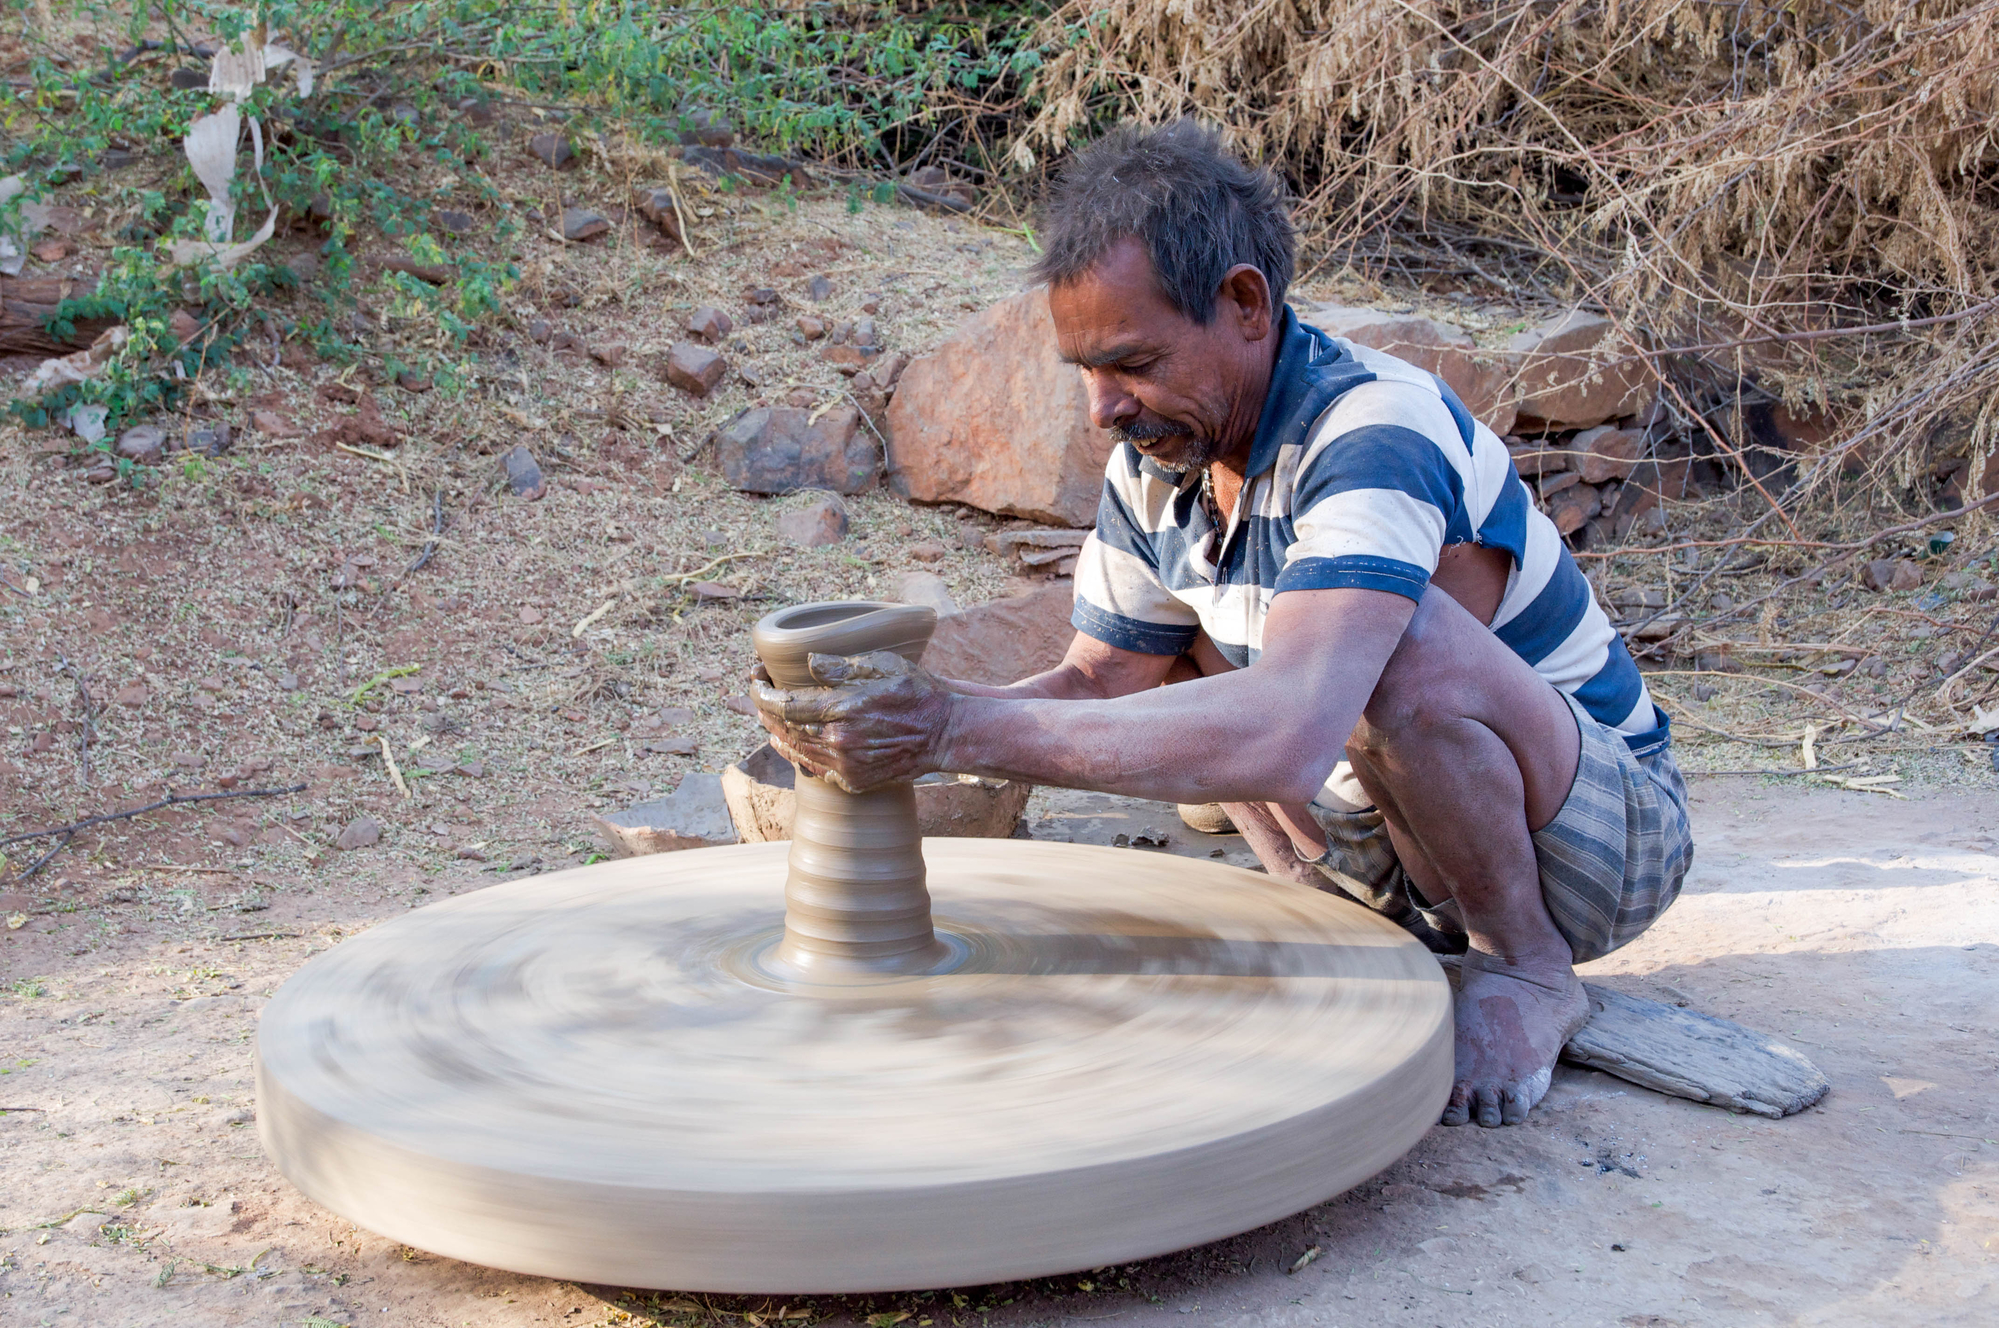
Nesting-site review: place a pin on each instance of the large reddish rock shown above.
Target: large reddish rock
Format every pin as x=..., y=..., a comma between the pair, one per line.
x=780, y=449
x=1483, y=382
x=1004, y=640
x=993, y=419
x=1607, y=453
x=1575, y=372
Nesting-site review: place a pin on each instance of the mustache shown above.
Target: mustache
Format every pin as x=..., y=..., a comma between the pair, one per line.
x=1140, y=431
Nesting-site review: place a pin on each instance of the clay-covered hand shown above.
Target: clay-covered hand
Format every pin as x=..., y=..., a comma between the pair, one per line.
x=878, y=720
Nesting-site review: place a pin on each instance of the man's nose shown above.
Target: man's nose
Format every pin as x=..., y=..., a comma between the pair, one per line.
x=1110, y=404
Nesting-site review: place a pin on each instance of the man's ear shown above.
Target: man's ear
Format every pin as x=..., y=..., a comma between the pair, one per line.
x=1244, y=296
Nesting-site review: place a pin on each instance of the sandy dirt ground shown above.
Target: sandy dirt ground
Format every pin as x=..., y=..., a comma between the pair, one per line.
x=231, y=617
x=133, y=1191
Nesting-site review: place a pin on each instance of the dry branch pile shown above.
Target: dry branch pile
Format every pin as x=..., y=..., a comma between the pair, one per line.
x=1752, y=180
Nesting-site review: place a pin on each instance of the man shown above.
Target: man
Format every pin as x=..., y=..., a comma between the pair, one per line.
x=1341, y=562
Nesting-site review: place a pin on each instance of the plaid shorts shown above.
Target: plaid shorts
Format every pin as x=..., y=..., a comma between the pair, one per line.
x=1611, y=861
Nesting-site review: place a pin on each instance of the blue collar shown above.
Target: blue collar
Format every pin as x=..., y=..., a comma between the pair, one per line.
x=1311, y=369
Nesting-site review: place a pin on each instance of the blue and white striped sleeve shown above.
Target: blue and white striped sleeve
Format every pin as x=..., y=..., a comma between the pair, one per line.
x=1376, y=498
x=1120, y=598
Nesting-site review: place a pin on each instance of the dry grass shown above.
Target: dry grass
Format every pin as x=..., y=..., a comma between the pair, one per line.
x=1741, y=178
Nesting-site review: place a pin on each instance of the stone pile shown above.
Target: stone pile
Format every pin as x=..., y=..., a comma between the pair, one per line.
x=995, y=420
x=1575, y=406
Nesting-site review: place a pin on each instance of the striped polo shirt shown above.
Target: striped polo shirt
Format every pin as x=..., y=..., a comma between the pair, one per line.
x=1364, y=467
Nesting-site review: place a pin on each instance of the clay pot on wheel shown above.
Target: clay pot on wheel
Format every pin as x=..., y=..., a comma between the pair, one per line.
x=760, y=792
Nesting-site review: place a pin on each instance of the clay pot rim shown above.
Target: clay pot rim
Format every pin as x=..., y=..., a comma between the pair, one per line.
x=786, y=638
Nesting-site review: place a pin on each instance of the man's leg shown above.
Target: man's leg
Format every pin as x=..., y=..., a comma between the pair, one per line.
x=1467, y=751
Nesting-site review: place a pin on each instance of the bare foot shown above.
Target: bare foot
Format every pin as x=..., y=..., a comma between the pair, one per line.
x=1512, y=1020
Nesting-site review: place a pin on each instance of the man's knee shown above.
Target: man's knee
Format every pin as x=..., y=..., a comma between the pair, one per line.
x=1424, y=686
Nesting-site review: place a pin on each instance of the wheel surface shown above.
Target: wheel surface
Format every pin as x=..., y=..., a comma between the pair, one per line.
x=591, y=1075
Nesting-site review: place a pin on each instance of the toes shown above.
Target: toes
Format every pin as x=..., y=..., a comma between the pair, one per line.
x=1488, y=1108
x=1458, y=1110
x=1514, y=1104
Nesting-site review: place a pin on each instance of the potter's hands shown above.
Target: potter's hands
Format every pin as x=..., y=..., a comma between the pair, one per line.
x=877, y=720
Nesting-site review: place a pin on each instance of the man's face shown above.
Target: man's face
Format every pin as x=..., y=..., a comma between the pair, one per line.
x=1170, y=387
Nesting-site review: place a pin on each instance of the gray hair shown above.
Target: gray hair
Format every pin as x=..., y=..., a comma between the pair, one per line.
x=1198, y=209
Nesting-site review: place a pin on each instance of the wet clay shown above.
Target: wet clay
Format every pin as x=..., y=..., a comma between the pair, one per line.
x=855, y=901
x=583, y=1075
x=797, y=1068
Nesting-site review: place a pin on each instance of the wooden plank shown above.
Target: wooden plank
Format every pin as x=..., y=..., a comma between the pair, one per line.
x=1693, y=1055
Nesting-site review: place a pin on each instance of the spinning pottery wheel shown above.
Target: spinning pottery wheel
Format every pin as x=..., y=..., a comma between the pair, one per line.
x=854, y=1062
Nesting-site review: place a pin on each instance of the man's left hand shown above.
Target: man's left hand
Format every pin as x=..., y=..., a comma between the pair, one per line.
x=877, y=720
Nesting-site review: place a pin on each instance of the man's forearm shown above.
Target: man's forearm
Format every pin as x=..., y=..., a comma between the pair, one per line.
x=1060, y=683
x=1268, y=733
x=1089, y=671
x=1155, y=744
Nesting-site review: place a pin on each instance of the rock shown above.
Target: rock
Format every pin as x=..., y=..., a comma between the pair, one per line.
x=610, y=354
x=673, y=744
x=1532, y=461
x=1607, y=452
x=927, y=551
x=811, y=328
x=707, y=129
x=1573, y=506
x=1693, y=1055
x=144, y=444
x=926, y=588
x=759, y=790
x=579, y=224
x=815, y=525
x=1004, y=640
x=888, y=369
x=993, y=419
x=847, y=359
x=411, y=381
x=524, y=477
x=187, y=78
x=1482, y=382
x=819, y=289
x=1892, y=574
x=694, y=815
x=656, y=206
x=694, y=369
x=273, y=425
x=1575, y=372
x=751, y=167
x=361, y=832
x=710, y=324
x=132, y=694
x=780, y=449
x=452, y=222
x=552, y=149
x=1035, y=547
x=184, y=326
